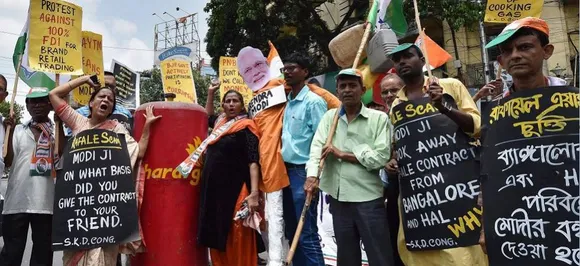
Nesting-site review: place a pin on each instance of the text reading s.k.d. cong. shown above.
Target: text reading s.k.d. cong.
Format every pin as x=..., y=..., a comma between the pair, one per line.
x=55, y=37
x=532, y=195
x=95, y=202
x=438, y=183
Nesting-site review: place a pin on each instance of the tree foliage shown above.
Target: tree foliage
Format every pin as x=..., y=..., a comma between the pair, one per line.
x=151, y=88
x=292, y=25
x=457, y=13
x=18, y=111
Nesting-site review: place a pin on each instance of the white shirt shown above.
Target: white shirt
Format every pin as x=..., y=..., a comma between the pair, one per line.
x=25, y=193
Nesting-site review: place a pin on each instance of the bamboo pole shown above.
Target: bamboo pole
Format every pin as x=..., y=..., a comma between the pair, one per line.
x=14, y=90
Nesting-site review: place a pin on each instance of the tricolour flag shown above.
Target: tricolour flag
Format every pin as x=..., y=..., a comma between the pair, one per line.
x=274, y=62
x=437, y=55
x=388, y=12
x=32, y=78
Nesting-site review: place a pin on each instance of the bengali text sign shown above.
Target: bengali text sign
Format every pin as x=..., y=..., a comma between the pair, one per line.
x=506, y=11
x=92, y=65
x=530, y=178
x=231, y=79
x=178, y=79
x=95, y=201
x=127, y=82
x=55, y=38
x=438, y=178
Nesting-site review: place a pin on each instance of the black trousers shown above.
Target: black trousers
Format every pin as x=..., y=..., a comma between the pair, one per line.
x=392, y=210
x=15, y=234
x=353, y=221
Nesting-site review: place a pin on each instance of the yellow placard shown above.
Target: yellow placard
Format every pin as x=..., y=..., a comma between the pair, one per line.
x=231, y=79
x=55, y=37
x=178, y=79
x=92, y=65
x=506, y=11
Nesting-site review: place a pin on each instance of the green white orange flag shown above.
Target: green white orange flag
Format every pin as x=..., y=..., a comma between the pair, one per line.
x=274, y=62
x=388, y=12
x=437, y=55
x=32, y=78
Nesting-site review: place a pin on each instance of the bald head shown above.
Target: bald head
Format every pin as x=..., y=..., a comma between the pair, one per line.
x=390, y=86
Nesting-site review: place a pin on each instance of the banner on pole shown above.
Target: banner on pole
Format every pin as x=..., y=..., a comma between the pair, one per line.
x=92, y=65
x=178, y=78
x=127, y=85
x=231, y=79
x=502, y=11
x=55, y=37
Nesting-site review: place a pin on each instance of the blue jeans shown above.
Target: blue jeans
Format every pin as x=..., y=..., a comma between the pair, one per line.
x=308, y=251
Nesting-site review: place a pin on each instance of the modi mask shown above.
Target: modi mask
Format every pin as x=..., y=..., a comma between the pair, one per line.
x=253, y=67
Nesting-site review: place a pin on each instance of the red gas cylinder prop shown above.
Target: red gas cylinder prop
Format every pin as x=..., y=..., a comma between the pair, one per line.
x=171, y=202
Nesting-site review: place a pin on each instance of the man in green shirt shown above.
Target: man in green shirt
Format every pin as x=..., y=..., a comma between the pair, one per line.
x=360, y=148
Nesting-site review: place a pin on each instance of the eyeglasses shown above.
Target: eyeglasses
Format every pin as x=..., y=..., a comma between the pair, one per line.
x=288, y=69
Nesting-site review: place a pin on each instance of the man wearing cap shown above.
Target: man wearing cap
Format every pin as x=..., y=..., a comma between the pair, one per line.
x=111, y=82
x=30, y=191
x=409, y=62
x=359, y=149
x=524, y=45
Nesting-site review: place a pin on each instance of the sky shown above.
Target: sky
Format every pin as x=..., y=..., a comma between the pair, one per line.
x=125, y=24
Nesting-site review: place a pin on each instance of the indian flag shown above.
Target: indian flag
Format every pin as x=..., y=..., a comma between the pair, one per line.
x=274, y=62
x=437, y=55
x=32, y=78
x=388, y=12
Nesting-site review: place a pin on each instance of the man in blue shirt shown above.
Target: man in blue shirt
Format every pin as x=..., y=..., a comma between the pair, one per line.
x=119, y=109
x=303, y=112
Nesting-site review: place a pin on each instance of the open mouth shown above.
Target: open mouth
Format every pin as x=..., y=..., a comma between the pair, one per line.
x=103, y=107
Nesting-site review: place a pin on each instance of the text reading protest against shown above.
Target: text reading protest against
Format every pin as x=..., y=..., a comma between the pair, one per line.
x=55, y=37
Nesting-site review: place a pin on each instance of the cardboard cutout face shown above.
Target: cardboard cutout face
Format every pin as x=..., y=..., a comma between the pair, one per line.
x=253, y=67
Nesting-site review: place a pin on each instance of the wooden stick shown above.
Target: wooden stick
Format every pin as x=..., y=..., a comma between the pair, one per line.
x=362, y=45
x=422, y=35
x=499, y=70
x=14, y=90
x=58, y=123
x=333, y=126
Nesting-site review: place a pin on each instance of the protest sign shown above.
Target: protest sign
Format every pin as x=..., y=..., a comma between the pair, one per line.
x=178, y=79
x=55, y=37
x=186, y=52
x=502, y=11
x=438, y=177
x=92, y=65
x=530, y=178
x=127, y=85
x=95, y=201
x=231, y=79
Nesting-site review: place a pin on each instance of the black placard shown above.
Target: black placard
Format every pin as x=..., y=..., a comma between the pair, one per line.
x=123, y=120
x=126, y=81
x=438, y=177
x=531, y=192
x=95, y=201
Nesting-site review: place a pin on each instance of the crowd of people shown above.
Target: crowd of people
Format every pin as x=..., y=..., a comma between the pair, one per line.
x=270, y=160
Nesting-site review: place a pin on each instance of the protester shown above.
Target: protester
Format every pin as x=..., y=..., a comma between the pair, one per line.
x=360, y=147
x=409, y=62
x=524, y=45
x=101, y=105
x=229, y=179
x=110, y=82
x=303, y=112
x=268, y=103
x=30, y=191
x=3, y=94
x=390, y=85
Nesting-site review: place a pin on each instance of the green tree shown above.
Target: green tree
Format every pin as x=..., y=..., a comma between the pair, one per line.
x=151, y=88
x=457, y=14
x=292, y=25
x=18, y=111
